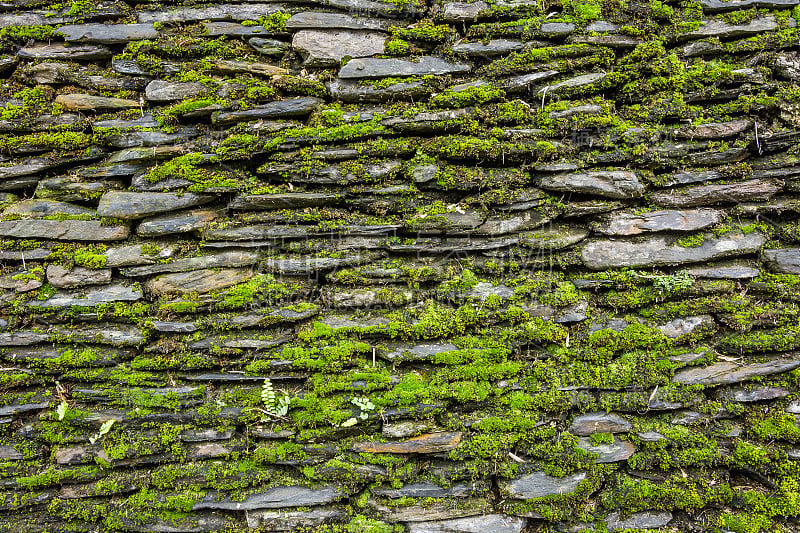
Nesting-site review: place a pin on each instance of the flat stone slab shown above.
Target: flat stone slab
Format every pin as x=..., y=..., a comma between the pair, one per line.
x=638, y=521
x=428, y=443
x=619, y=450
x=783, y=260
x=417, y=352
x=725, y=372
x=292, y=520
x=63, y=230
x=168, y=91
x=92, y=298
x=212, y=13
x=757, y=190
x=719, y=6
x=133, y=205
x=326, y=48
x=539, y=485
x=283, y=201
x=198, y=281
x=496, y=523
x=222, y=259
x=658, y=251
x=180, y=222
x=716, y=130
x=88, y=102
x=434, y=511
x=619, y=184
x=36, y=208
x=330, y=21
x=107, y=33
x=289, y=108
x=599, y=423
x=275, y=498
x=65, y=52
x=633, y=223
x=723, y=30
x=383, y=68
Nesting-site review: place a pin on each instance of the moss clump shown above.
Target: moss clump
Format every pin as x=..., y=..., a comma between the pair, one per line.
x=473, y=95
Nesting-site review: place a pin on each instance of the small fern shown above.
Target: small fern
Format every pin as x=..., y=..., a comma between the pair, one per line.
x=273, y=405
x=268, y=395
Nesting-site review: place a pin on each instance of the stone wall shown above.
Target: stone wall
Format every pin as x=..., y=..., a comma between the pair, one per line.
x=381, y=266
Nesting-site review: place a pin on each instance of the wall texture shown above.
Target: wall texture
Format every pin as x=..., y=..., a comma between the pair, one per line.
x=383, y=266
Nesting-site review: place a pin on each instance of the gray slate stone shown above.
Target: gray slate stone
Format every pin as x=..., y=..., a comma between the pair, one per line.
x=326, y=48
x=291, y=107
x=63, y=230
x=269, y=47
x=88, y=102
x=487, y=49
x=719, y=6
x=283, y=201
x=292, y=520
x=722, y=30
x=783, y=260
x=496, y=523
x=539, y=485
x=213, y=12
x=463, y=11
x=107, y=33
x=197, y=281
x=92, y=298
x=381, y=68
x=599, y=423
x=620, y=184
x=62, y=278
x=634, y=223
x=222, y=259
x=274, y=498
x=636, y=521
x=65, y=52
x=724, y=373
x=657, y=251
x=619, y=450
x=133, y=205
x=169, y=91
x=180, y=222
x=36, y=208
x=417, y=352
x=351, y=91
x=330, y=21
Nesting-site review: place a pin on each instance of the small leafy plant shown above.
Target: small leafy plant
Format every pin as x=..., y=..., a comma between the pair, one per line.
x=364, y=405
x=274, y=406
x=105, y=428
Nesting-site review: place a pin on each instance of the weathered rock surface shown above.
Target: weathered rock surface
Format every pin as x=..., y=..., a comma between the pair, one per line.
x=107, y=33
x=726, y=372
x=133, y=205
x=378, y=68
x=599, y=423
x=539, y=485
x=745, y=191
x=657, y=251
x=621, y=223
x=197, y=281
x=63, y=230
x=163, y=91
x=428, y=443
x=325, y=48
x=610, y=184
x=498, y=523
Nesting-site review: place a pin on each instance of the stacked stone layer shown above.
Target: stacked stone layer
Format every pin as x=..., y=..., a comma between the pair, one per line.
x=379, y=266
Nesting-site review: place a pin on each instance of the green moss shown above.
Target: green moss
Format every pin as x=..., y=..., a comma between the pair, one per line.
x=472, y=95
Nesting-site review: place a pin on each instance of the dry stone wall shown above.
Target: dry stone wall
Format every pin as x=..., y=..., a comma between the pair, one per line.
x=400, y=266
